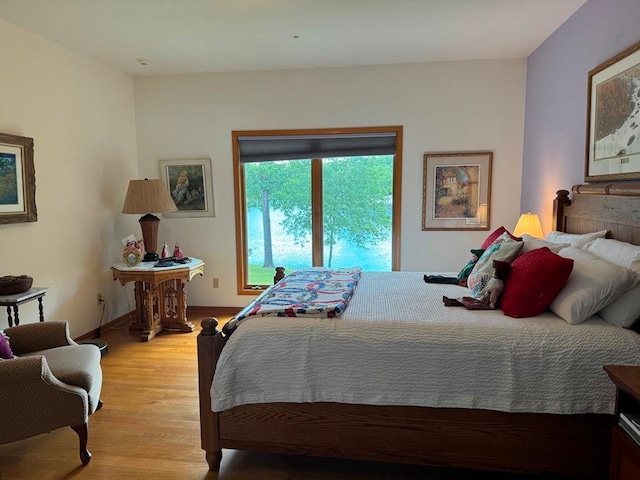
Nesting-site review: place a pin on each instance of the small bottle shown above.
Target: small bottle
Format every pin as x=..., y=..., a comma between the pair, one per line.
x=165, y=251
x=177, y=252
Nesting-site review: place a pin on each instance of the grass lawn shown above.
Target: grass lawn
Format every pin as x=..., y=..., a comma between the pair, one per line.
x=259, y=275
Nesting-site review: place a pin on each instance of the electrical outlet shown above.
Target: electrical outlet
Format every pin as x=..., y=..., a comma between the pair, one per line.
x=216, y=282
x=100, y=298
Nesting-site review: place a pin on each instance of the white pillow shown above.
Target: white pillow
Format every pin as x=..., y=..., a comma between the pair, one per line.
x=593, y=284
x=621, y=253
x=533, y=243
x=576, y=240
x=624, y=311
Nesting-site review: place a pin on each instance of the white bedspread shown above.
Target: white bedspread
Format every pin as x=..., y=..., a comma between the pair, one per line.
x=397, y=344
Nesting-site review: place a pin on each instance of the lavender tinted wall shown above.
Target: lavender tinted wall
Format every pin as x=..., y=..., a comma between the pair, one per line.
x=556, y=98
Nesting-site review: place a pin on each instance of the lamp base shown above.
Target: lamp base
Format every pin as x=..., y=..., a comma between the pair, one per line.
x=151, y=257
x=149, y=224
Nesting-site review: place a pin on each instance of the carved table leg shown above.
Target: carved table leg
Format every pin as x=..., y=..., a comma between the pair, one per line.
x=139, y=322
x=213, y=459
x=9, y=317
x=185, y=324
x=152, y=312
x=40, y=309
x=15, y=315
x=175, y=302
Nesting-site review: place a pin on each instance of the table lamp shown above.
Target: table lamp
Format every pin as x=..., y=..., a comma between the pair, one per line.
x=148, y=197
x=529, y=224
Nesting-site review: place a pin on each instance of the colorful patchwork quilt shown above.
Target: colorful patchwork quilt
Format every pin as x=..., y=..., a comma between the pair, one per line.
x=315, y=292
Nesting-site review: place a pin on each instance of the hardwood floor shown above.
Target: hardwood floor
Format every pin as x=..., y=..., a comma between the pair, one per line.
x=148, y=428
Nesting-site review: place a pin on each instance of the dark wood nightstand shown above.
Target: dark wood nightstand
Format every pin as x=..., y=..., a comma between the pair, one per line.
x=625, y=451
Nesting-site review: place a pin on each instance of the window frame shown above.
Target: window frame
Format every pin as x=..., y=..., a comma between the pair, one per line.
x=316, y=192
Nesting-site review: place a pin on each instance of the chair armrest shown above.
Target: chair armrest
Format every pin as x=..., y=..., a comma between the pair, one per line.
x=32, y=337
x=34, y=401
x=21, y=370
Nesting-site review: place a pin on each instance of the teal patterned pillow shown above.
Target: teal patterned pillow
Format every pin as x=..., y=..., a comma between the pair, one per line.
x=468, y=268
x=505, y=251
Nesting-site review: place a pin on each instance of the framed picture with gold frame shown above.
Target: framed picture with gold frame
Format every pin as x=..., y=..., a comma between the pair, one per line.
x=191, y=186
x=131, y=256
x=613, y=119
x=17, y=180
x=456, y=191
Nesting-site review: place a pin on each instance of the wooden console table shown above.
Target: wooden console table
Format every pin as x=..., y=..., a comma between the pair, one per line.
x=161, y=299
x=12, y=301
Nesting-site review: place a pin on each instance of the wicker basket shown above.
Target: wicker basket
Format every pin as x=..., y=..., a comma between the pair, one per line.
x=12, y=284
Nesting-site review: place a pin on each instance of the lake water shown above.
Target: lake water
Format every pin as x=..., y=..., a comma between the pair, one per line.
x=292, y=256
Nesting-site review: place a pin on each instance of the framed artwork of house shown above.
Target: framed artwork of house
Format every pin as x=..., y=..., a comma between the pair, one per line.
x=456, y=191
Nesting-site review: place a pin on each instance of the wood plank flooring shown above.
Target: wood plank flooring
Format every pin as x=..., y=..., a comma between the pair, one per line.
x=149, y=426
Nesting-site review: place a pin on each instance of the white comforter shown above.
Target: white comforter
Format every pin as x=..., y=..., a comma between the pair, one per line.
x=397, y=344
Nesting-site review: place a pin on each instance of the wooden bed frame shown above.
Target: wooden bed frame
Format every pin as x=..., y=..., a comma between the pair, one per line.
x=571, y=445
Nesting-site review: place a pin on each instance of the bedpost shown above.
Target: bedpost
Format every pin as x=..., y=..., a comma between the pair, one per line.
x=279, y=274
x=561, y=201
x=210, y=344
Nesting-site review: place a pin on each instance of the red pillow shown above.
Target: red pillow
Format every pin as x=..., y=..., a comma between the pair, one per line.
x=536, y=278
x=496, y=233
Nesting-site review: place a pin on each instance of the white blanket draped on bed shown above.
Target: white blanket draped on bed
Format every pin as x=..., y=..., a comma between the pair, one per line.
x=397, y=344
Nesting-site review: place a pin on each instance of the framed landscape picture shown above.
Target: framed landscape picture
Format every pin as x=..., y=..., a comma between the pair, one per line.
x=613, y=118
x=17, y=180
x=190, y=185
x=456, y=191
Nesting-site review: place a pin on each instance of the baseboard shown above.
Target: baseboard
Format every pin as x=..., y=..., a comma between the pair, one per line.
x=116, y=322
x=199, y=311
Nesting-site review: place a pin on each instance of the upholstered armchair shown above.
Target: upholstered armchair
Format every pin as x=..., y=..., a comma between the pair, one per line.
x=52, y=382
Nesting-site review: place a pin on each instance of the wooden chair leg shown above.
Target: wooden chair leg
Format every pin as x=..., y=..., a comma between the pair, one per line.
x=83, y=435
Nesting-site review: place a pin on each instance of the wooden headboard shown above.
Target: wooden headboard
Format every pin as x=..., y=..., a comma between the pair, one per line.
x=600, y=206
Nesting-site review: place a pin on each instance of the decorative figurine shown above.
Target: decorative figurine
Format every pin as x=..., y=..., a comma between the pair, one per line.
x=165, y=251
x=177, y=253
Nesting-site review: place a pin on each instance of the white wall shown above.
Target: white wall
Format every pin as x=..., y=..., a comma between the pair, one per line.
x=80, y=114
x=455, y=106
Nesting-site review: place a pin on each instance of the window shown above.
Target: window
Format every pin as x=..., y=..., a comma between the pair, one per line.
x=316, y=197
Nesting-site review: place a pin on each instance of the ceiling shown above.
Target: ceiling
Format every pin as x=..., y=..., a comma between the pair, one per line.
x=198, y=36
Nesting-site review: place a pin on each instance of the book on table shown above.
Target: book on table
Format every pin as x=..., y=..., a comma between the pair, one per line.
x=630, y=423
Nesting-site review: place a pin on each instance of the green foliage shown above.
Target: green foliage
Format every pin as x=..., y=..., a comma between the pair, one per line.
x=357, y=194
x=356, y=199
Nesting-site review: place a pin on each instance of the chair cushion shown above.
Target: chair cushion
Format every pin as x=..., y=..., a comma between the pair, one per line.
x=77, y=365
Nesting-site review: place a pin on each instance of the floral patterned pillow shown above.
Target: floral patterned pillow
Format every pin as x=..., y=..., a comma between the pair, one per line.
x=504, y=249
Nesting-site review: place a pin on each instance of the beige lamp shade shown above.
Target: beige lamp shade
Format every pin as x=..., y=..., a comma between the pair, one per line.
x=529, y=224
x=148, y=197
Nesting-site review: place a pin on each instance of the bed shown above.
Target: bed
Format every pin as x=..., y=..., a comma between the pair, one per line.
x=475, y=432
